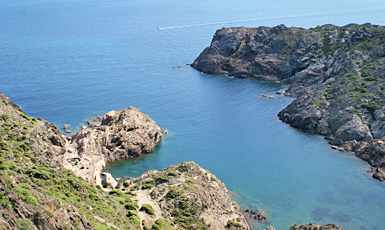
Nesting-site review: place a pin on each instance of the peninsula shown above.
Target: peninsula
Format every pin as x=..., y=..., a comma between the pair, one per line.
x=336, y=75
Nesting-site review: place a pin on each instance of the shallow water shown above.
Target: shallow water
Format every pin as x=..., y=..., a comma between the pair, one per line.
x=67, y=61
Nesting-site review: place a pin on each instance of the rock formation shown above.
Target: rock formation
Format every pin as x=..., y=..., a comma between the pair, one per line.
x=315, y=226
x=336, y=74
x=192, y=197
x=117, y=136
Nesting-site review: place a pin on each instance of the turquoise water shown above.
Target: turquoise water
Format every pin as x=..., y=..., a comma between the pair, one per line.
x=67, y=61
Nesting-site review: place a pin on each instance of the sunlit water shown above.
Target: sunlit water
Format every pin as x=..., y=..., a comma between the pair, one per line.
x=67, y=61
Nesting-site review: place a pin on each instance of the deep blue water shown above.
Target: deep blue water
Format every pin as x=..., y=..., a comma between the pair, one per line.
x=68, y=60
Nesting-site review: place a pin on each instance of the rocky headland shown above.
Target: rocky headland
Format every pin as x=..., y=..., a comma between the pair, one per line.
x=50, y=181
x=336, y=75
x=118, y=135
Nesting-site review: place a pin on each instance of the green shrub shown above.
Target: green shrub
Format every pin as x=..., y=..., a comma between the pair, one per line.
x=161, y=179
x=4, y=200
x=173, y=193
x=5, y=102
x=23, y=190
x=136, y=187
x=352, y=76
x=172, y=173
x=148, y=209
x=39, y=173
x=369, y=78
x=126, y=184
x=131, y=206
x=371, y=106
x=25, y=224
x=233, y=223
x=6, y=117
x=133, y=217
x=131, y=193
x=116, y=192
x=189, y=181
x=6, y=124
x=8, y=165
x=318, y=102
x=147, y=186
x=155, y=227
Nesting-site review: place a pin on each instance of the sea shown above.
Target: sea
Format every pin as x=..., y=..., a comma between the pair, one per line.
x=68, y=61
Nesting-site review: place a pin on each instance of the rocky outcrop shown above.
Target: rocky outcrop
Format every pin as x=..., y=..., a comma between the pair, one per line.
x=335, y=73
x=191, y=196
x=118, y=135
x=312, y=226
x=315, y=226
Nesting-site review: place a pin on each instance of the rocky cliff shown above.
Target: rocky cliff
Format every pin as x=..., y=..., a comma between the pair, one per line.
x=335, y=73
x=118, y=135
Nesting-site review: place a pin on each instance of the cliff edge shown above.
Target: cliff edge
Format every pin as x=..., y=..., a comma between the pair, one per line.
x=335, y=73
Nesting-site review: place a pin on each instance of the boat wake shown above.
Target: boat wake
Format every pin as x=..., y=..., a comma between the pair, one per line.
x=377, y=10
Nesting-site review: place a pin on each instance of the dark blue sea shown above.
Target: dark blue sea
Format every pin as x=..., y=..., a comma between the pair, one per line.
x=69, y=60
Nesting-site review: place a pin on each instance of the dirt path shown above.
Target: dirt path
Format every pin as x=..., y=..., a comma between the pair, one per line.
x=143, y=197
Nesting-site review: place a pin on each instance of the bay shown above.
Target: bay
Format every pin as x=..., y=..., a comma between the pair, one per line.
x=69, y=60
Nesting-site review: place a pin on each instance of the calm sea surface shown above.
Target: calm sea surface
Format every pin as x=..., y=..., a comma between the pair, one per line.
x=69, y=60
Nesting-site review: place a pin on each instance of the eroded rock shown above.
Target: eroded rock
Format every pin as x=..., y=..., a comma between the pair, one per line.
x=117, y=136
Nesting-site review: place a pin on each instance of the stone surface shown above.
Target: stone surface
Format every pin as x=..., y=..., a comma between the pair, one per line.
x=109, y=182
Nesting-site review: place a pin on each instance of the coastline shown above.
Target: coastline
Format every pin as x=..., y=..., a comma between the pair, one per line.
x=335, y=73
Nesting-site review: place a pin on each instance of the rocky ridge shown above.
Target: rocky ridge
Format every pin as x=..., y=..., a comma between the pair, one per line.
x=335, y=73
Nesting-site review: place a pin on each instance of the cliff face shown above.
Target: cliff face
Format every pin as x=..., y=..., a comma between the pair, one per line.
x=335, y=73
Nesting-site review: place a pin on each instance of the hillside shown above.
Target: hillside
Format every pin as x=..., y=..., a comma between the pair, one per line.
x=49, y=181
x=336, y=75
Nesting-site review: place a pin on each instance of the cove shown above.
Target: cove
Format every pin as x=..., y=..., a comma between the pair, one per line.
x=70, y=60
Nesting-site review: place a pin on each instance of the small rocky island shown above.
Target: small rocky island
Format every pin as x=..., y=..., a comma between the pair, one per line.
x=336, y=75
